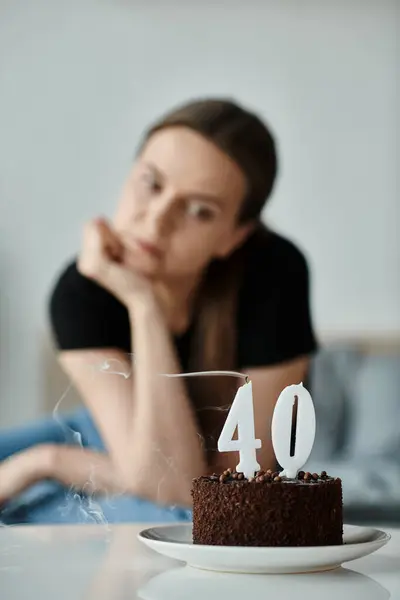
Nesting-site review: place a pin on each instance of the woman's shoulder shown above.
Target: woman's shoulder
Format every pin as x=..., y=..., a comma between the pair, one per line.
x=272, y=254
x=85, y=315
x=273, y=264
x=70, y=282
x=274, y=316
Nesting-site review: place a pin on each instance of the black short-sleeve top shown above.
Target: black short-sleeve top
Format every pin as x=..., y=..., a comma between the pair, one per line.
x=273, y=319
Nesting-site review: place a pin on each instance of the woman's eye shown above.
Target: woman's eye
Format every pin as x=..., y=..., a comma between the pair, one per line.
x=152, y=183
x=200, y=211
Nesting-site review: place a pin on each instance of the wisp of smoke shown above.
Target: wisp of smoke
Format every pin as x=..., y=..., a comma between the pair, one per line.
x=89, y=509
x=113, y=366
x=106, y=367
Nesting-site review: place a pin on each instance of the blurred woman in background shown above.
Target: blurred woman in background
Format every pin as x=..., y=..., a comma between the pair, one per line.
x=184, y=277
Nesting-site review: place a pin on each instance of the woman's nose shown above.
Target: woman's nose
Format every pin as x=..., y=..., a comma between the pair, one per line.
x=162, y=217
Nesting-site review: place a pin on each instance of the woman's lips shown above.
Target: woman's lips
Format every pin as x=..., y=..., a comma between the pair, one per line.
x=150, y=248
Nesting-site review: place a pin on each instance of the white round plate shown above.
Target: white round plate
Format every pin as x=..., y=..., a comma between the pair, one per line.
x=175, y=541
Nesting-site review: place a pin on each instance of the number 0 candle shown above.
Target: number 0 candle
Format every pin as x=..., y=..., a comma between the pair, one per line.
x=281, y=429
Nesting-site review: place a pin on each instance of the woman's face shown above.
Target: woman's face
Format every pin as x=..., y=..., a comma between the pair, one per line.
x=180, y=204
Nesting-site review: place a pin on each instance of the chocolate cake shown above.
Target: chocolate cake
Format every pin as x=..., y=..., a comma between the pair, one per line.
x=230, y=510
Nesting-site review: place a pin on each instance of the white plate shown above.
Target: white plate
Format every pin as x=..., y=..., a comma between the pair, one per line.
x=175, y=541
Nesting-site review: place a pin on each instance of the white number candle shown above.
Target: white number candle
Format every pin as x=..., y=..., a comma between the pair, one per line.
x=282, y=429
x=241, y=414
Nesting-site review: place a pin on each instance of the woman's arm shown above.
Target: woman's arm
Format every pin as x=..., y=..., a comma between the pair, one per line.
x=146, y=420
x=103, y=378
x=83, y=469
x=164, y=428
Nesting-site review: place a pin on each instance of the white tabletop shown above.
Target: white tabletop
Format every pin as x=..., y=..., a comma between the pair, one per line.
x=92, y=562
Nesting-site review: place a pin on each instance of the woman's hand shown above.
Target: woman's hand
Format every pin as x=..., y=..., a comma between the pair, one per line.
x=20, y=471
x=107, y=261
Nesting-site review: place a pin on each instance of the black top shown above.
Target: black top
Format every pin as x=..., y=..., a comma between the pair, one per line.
x=273, y=319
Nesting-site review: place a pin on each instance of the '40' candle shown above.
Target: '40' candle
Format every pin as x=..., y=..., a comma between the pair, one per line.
x=241, y=415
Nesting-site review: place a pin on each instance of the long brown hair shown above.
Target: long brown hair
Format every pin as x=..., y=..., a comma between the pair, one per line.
x=246, y=140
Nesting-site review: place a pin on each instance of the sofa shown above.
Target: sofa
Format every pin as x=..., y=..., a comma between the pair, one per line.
x=356, y=393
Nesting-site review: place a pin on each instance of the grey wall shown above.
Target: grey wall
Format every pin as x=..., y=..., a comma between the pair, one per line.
x=79, y=81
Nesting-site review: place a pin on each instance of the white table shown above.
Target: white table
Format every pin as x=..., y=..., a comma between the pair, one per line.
x=96, y=563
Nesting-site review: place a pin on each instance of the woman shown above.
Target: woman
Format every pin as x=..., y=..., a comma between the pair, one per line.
x=186, y=278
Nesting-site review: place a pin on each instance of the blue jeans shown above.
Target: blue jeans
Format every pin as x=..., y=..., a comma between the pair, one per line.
x=49, y=502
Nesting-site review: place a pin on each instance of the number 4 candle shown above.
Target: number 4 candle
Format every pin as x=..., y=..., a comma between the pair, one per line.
x=241, y=414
